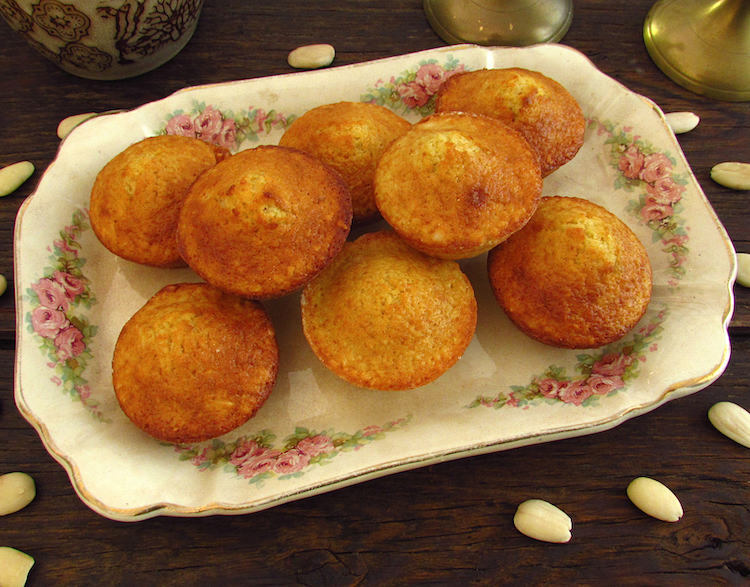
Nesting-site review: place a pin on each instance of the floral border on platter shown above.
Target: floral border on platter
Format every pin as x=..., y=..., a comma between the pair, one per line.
x=650, y=174
x=57, y=320
x=413, y=89
x=256, y=459
x=602, y=373
x=224, y=128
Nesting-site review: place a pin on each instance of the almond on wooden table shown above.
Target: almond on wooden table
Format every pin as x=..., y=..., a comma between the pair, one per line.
x=69, y=123
x=540, y=520
x=14, y=567
x=732, y=174
x=655, y=499
x=732, y=420
x=311, y=56
x=682, y=122
x=14, y=175
x=17, y=490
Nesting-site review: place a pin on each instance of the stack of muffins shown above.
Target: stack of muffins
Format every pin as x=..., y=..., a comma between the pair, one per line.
x=390, y=310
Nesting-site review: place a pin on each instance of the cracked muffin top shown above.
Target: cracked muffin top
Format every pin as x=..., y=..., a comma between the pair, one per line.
x=457, y=184
x=385, y=316
x=136, y=197
x=350, y=137
x=265, y=221
x=575, y=276
x=194, y=363
x=537, y=106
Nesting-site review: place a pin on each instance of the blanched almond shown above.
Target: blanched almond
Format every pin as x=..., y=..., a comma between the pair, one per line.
x=540, y=520
x=68, y=124
x=655, y=499
x=311, y=56
x=13, y=176
x=14, y=567
x=732, y=421
x=682, y=122
x=17, y=490
x=732, y=174
x=743, y=269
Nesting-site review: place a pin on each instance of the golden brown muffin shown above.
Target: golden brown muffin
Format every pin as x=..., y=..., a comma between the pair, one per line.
x=575, y=276
x=537, y=106
x=263, y=222
x=194, y=363
x=457, y=184
x=136, y=198
x=350, y=137
x=385, y=316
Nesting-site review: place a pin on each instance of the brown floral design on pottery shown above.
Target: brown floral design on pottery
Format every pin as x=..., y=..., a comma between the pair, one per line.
x=62, y=21
x=104, y=40
x=17, y=19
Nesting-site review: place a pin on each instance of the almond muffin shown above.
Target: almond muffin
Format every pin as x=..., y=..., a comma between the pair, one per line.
x=385, y=316
x=194, y=363
x=575, y=276
x=457, y=184
x=350, y=137
x=136, y=197
x=263, y=222
x=541, y=109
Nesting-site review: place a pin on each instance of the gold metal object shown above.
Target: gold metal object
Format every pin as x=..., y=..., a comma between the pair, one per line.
x=500, y=22
x=703, y=45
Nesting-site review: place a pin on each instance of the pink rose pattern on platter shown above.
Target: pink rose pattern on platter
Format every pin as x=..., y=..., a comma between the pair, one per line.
x=256, y=459
x=600, y=374
x=413, y=89
x=57, y=299
x=223, y=127
x=651, y=174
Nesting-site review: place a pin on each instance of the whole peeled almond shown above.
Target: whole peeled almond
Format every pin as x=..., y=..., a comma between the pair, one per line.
x=14, y=175
x=14, y=567
x=68, y=124
x=732, y=174
x=540, y=520
x=732, y=420
x=17, y=490
x=743, y=269
x=655, y=499
x=311, y=56
x=682, y=122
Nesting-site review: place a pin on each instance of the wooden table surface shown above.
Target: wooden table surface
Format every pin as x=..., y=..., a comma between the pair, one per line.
x=449, y=523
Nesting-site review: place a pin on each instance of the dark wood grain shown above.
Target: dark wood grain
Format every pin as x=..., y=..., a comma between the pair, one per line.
x=446, y=523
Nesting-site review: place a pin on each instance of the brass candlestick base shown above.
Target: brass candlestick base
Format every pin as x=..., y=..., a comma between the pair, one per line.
x=500, y=22
x=702, y=45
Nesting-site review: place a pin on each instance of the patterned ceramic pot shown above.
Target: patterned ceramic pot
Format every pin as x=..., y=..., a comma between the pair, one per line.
x=105, y=39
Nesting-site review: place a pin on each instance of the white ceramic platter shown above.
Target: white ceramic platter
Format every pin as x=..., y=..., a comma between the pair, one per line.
x=317, y=433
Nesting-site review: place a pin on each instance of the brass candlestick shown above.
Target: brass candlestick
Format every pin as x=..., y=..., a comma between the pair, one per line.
x=702, y=45
x=500, y=22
